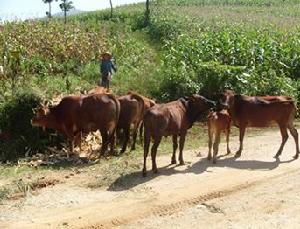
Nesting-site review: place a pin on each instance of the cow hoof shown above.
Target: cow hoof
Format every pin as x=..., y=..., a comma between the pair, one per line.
x=181, y=163
x=144, y=173
x=296, y=156
x=154, y=170
x=214, y=161
x=208, y=158
x=237, y=155
x=228, y=152
x=173, y=161
x=276, y=156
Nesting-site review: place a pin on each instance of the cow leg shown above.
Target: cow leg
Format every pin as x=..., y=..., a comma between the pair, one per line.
x=119, y=136
x=147, y=139
x=71, y=147
x=154, y=152
x=135, y=130
x=141, y=132
x=227, y=140
x=105, y=139
x=242, y=134
x=285, y=136
x=216, y=146
x=126, y=139
x=181, y=146
x=294, y=133
x=175, y=146
x=210, y=143
x=112, y=142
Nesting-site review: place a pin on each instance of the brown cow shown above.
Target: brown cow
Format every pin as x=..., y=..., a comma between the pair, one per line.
x=82, y=114
x=147, y=104
x=173, y=118
x=132, y=112
x=218, y=121
x=263, y=111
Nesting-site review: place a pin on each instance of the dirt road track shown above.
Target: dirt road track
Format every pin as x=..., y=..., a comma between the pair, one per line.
x=196, y=194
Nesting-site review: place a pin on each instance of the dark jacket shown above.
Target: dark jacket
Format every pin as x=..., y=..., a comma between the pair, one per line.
x=107, y=66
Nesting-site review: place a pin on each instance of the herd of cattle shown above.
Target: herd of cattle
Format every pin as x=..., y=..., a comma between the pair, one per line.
x=114, y=116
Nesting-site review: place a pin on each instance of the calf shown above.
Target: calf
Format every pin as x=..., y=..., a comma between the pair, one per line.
x=218, y=121
x=82, y=114
x=263, y=111
x=173, y=118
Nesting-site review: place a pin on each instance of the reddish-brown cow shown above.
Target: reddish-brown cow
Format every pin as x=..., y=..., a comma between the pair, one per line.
x=248, y=111
x=132, y=112
x=147, y=104
x=76, y=114
x=218, y=121
x=173, y=118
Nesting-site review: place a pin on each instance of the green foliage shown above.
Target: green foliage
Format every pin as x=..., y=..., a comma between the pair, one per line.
x=22, y=139
x=207, y=57
x=164, y=27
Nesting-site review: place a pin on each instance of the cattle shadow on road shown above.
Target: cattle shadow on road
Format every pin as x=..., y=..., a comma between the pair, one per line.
x=133, y=179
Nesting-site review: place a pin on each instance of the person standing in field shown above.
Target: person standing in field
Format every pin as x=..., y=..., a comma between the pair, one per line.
x=106, y=68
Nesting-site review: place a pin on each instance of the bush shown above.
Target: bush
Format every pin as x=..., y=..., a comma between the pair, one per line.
x=22, y=139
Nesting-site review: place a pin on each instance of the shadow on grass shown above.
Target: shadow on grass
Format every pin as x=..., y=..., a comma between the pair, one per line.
x=133, y=179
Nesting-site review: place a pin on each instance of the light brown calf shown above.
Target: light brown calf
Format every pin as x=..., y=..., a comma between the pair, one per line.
x=218, y=121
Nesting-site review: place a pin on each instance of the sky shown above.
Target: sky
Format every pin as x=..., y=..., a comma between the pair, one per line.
x=24, y=9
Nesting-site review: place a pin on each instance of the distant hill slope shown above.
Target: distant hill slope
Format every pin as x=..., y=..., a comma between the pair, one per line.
x=71, y=12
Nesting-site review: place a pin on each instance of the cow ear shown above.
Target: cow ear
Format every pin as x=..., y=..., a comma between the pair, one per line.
x=184, y=101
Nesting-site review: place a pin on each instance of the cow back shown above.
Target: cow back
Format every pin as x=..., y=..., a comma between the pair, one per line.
x=132, y=110
x=262, y=111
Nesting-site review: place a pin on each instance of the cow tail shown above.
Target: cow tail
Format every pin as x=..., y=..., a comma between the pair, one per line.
x=141, y=101
x=118, y=110
x=294, y=112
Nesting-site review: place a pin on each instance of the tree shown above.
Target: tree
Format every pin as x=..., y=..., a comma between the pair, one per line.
x=111, y=8
x=48, y=13
x=65, y=6
x=147, y=13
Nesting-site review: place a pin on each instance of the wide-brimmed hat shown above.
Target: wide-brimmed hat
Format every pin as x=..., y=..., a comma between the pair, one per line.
x=107, y=54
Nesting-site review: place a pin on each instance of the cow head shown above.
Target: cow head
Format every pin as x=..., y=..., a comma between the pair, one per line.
x=197, y=105
x=40, y=115
x=227, y=99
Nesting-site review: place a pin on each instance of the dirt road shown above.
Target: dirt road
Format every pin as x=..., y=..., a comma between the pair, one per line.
x=253, y=191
